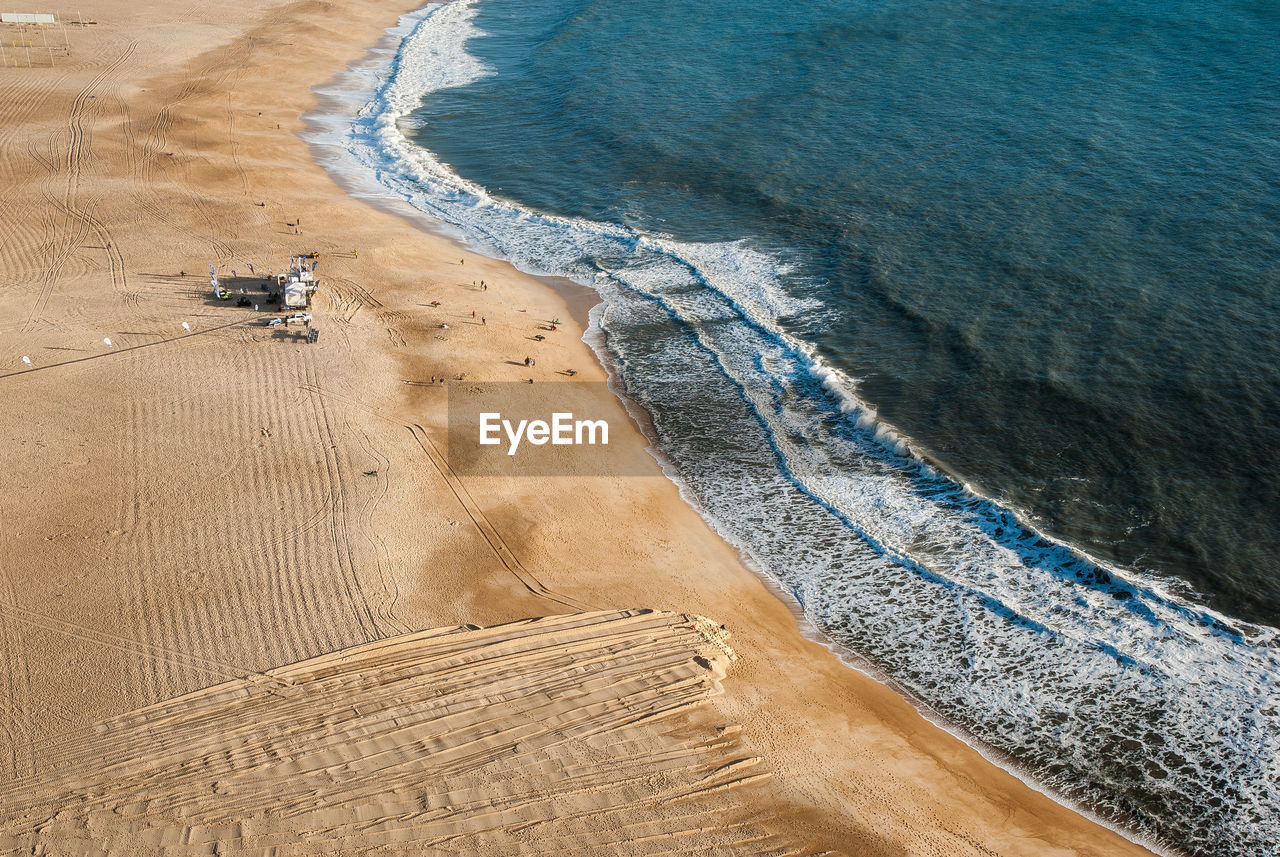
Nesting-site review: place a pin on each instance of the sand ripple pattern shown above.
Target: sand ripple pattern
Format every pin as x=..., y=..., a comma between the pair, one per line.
x=521, y=738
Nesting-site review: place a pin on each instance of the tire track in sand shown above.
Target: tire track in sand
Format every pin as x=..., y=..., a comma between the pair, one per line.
x=586, y=733
x=16, y=755
x=485, y=527
x=339, y=536
x=255, y=573
x=207, y=74
x=389, y=591
x=68, y=161
x=55, y=248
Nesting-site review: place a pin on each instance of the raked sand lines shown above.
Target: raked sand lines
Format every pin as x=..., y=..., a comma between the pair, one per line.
x=517, y=739
x=277, y=571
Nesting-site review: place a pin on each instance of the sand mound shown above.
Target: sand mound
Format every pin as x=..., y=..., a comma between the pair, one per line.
x=521, y=738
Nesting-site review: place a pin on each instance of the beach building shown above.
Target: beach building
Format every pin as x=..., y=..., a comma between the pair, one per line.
x=298, y=284
x=26, y=18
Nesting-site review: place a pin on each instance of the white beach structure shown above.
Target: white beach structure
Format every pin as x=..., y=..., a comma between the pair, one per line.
x=26, y=18
x=297, y=285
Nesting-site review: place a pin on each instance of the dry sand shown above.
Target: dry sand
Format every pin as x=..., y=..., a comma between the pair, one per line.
x=184, y=516
x=499, y=763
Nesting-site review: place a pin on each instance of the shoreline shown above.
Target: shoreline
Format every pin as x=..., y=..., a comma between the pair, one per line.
x=580, y=301
x=989, y=706
x=256, y=430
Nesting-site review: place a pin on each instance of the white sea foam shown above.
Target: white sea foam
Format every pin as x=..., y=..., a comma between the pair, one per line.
x=1110, y=689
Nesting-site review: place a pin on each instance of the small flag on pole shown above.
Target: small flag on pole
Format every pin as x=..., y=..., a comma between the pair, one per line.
x=108, y=341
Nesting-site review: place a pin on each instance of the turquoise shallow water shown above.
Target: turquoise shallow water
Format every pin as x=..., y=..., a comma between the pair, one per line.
x=956, y=318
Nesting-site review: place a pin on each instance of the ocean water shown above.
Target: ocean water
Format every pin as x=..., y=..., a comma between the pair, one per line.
x=958, y=319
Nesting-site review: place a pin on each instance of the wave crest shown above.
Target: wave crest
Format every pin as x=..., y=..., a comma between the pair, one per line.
x=1107, y=687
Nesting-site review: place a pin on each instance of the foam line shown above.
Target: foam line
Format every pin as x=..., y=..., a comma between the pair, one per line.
x=1112, y=690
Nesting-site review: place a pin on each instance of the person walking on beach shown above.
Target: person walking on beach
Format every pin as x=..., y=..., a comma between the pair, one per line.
x=484, y=320
x=526, y=361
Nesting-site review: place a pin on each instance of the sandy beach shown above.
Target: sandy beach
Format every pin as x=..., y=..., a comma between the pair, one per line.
x=246, y=603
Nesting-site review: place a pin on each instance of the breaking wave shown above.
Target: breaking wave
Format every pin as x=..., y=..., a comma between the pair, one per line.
x=1102, y=684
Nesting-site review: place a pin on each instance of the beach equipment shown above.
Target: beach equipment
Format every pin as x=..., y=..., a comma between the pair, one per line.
x=312, y=333
x=218, y=292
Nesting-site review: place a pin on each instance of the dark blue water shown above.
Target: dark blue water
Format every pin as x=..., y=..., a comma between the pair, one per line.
x=1048, y=234
x=957, y=318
